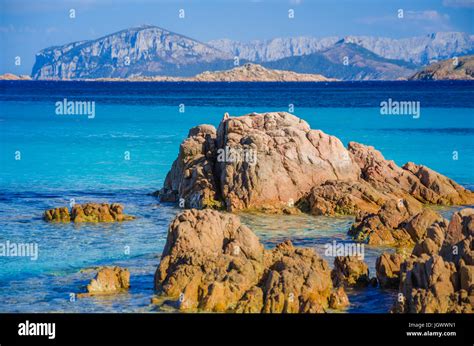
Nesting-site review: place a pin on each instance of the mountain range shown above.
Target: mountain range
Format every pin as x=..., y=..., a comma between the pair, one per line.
x=419, y=50
x=154, y=51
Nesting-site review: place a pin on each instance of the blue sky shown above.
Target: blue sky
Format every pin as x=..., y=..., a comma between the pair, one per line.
x=27, y=26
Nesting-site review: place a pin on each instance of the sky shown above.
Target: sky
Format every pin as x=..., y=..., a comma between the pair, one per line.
x=27, y=26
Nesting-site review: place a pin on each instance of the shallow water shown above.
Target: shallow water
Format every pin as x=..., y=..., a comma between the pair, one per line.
x=72, y=157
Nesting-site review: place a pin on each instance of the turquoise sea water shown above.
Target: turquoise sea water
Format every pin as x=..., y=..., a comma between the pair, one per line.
x=67, y=157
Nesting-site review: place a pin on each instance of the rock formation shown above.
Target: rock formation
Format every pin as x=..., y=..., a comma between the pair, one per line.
x=274, y=162
x=211, y=262
x=461, y=68
x=57, y=215
x=88, y=212
x=401, y=219
x=386, y=227
x=388, y=269
x=416, y=181
x=255, y=161
x=109, y=280
x=439, y=274
x=257, y=73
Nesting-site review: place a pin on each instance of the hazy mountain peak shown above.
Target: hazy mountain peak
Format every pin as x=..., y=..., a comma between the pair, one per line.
x=418, y=50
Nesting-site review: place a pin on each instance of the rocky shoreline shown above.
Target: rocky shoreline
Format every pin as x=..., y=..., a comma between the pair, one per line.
x=274, y=163
x=303, y=170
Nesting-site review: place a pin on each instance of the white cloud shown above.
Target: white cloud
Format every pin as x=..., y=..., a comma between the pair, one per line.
x=431, y=19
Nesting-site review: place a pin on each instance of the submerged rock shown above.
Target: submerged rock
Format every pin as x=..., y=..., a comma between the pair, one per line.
x=88, y=212
x=95, y=212
x=109, y=280
x=212, y=262
x=57, y=215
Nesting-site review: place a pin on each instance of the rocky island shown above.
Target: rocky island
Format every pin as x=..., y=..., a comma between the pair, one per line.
x=11, y=76
x=88, y=212
x=212, y=262
x=461, y=68
x=257, y=73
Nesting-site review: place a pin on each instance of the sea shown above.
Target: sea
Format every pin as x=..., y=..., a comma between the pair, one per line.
x=122, y=153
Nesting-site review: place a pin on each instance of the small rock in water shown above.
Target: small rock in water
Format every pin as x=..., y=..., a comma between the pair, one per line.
x=109, y=280
x=88, y=212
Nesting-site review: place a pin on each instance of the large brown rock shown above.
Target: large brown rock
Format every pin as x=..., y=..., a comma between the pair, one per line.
x=418, y=181
x=109, y=280
x=418, y=225
x=386, y=226
x=192, y=176
x=400, y=223
x=458, y=238
x=381, y=180
x=255, y=161
x=433, y=240
x=333, y=198
x=442, y=190
x=269, y=161
x=211, y=262
x=297, y=280
x=430, y=284
x=441, y=282
x=387, y=267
